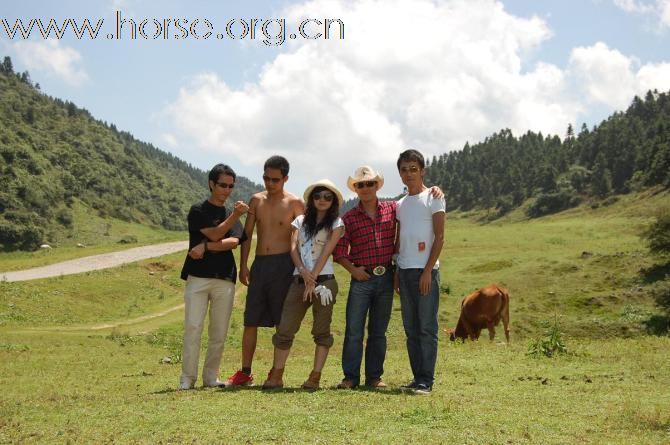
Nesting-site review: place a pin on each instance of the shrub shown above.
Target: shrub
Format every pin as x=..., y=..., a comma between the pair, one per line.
x=504, y=205
x=64, y=216
x=128, y=239
x=14, y=237
x=550, y=345
x=547, y=203
x=658, y=235
x=661, y=294
x=610, y=200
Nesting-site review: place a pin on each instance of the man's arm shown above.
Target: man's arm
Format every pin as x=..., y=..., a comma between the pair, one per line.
x=198, y=252
x=249, y=225
x=357, y=272
x=341, y=255
x=438, y=242
x=218, y=232
x=342, y=258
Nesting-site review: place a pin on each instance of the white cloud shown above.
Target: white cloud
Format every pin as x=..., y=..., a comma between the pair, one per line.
x=664, y=8
x=611, y=78
x=634, y=6
x=605, y=74
x=52, y=57
x=426, y=74
x=659, y=8
x=653, y=76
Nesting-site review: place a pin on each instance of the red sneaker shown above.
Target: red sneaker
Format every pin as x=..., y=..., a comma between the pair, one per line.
x=239, y=379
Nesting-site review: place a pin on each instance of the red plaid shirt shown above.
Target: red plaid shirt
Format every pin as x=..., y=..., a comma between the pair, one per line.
x=366, y=242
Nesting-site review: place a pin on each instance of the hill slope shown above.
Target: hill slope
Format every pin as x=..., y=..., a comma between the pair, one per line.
x=53, y=153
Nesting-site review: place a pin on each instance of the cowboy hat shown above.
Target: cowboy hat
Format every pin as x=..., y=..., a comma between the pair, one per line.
x=323, y=183
x=365, y=173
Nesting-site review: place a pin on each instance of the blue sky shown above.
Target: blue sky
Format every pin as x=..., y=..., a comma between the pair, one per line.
x=425, y=74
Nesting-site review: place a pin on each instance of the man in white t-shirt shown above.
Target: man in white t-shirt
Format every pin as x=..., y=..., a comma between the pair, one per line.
x=417, y=278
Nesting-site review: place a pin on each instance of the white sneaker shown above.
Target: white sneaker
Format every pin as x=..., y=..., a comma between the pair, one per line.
x=216, y=384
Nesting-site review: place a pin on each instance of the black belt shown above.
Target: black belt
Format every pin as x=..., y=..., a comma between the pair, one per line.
x=319, y=279
x=218, y=276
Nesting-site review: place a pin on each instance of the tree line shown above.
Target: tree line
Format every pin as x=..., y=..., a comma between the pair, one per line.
x=627, y=152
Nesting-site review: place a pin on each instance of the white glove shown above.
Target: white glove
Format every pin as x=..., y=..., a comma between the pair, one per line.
x=324, y=294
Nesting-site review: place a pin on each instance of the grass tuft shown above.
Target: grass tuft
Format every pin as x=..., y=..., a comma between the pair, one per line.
x=551, y=345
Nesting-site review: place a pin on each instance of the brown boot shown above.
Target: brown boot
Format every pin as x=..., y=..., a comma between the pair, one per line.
x=312, y=381
x=274, y=380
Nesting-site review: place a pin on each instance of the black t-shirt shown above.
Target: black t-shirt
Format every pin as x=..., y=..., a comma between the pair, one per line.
x=214, y=264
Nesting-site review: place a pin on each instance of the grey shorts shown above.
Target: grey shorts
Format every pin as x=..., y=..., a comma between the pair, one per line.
x=271, y=276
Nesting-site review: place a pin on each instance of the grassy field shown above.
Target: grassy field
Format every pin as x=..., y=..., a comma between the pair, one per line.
x=80, y=356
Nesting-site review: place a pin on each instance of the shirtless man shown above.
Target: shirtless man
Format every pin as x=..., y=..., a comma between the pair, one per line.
x=271, y=212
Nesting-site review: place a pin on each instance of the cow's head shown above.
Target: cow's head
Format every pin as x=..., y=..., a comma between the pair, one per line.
x=452, y=334
x=459, y=332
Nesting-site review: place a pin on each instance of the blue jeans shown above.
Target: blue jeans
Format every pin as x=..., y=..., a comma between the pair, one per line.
x=376, y=297
x=419, y=317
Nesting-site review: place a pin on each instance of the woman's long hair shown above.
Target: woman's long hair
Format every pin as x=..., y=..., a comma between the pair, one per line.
x=310, y=225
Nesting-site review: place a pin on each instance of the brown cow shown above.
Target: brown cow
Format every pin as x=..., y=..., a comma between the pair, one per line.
x=483, y=309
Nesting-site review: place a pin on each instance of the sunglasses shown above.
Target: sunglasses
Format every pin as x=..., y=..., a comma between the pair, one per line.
x=223, y=185
x=272, y=180
x=326, y=196
x=364, y=184
x=411, y=169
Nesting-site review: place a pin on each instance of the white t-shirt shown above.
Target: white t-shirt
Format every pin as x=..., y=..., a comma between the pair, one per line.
x=415, y=214
x=310, y=249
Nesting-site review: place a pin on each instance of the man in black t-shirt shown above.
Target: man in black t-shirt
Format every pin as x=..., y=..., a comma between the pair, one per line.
x=210, y=272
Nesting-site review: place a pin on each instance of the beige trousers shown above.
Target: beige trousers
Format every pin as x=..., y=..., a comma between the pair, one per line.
x=201, y=293
x=294, y=311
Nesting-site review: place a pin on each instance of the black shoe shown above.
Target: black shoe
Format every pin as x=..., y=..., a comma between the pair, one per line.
x=411, y=386
x=423, y=390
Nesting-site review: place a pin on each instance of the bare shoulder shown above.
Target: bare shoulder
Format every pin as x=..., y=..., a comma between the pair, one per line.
x=256, y=198
x=290, y=197
x=295, y=203
x=293, y=200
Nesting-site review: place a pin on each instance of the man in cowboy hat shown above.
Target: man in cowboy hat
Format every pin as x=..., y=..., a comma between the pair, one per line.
x=366, y=252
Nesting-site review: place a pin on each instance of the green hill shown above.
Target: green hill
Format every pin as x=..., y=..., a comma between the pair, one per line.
x=55, y=156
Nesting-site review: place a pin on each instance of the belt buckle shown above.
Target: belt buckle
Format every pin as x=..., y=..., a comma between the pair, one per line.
x=379, y=270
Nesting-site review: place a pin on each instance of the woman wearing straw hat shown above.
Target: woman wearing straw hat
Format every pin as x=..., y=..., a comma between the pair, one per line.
x=315, y=235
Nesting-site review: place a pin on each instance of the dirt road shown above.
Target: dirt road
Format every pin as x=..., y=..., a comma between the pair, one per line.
x=95, y=262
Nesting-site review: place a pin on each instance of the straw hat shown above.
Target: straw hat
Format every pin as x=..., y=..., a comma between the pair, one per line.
x=323, y=183
x=365, y=173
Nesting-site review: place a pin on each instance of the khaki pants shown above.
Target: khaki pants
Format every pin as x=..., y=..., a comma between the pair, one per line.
x=294, y=311
x=198, y=295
